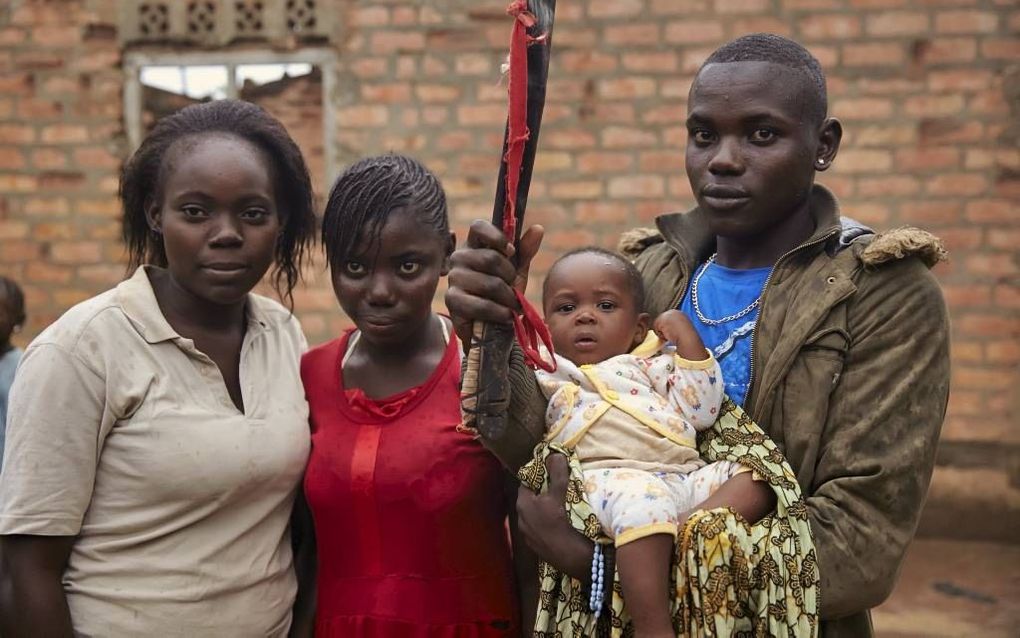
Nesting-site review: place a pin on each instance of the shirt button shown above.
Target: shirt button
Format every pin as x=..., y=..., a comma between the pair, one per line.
x=612, y=395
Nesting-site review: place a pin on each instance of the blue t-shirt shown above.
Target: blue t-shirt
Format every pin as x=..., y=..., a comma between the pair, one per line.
x=8, y=363
x=723, y=292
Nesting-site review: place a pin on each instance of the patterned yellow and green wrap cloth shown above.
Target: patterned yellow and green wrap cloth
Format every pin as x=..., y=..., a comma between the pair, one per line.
x=730, y=578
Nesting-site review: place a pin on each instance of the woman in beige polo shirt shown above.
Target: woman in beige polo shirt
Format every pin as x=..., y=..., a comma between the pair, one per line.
x=157, y=433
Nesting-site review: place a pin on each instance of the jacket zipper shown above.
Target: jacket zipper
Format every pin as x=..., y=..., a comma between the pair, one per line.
x=761, y=309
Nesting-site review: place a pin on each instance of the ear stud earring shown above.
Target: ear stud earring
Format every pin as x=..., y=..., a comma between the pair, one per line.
x=821, y=161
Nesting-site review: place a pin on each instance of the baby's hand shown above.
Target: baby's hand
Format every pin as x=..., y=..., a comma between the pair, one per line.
x=675, y=326
x=672, y=325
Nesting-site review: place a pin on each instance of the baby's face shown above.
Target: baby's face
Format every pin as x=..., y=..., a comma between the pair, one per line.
x=590, y=309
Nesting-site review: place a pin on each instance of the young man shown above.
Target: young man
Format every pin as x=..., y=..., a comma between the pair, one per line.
x=834, y=340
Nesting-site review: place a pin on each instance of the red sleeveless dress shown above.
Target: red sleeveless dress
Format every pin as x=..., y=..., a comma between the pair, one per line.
x=409, y=513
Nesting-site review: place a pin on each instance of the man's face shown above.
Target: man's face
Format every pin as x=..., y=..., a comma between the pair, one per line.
x=752, y=145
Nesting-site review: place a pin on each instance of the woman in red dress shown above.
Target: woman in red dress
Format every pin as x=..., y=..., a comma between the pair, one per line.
x=409, y=511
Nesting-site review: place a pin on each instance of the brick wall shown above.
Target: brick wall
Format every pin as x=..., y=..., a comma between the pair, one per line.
x=928, y=91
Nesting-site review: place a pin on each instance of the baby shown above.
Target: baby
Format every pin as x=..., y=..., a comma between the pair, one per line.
x=629, y=403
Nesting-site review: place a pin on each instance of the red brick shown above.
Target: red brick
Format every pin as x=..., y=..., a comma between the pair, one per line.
x=957, y=184
x=615, y=9
x=993, y=211
x=577, y=189
x=39, y=272
x=433, y=66
x=668, y=113
x=433, y=93
x=372, y=16
x=881, y=135
x=20, y=252
x=10, y=229
x=586, y=61
x=76, y=252
x=829, y=26
x=404, y=16
x=971, y=378
x=386, y=93
x=688, y=31
x=739, y=26
x=369, y=67
x=946, y=130
x=926, y=159
x=966, y=296
x=626, y=88
x=678, y=7
x=107, y=207
x=567, y=239
x=59, y=180
x=1007, y=296
x=948, y=50
x=602, y=212
x=924, y=212
x=604, y=162
x=962, y=238
x=547, y=161
x=627, y=137
x=56, y=36
x=578, y=38
x=873, y=54
x=475, y=64
x=863, y=109
x=1007, y=49
x=16, y=133
x=363, y=115
x=960, y=80
x=608, y=113
x=37, y=109
x=659, y=62
x=64, y=134
x=11, y=35
x=1004, y=238
x=479, y=114
x=46, y=206
x=875, y=213
x=18, y=183
x=1005, y=351
x=989, y=158
x=631, y=34
x=989, y=325
x=992, y=264
x=662, y=161
x=96, y=158
x=896, y=23
x=729, y=7
x=933, y=105
x=966, y=21
x=889, y=186
x=863, y=161
x=11, y=158
x=636, y=187
x=385, y=42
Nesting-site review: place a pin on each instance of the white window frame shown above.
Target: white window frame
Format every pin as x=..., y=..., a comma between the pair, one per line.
x=325, y=59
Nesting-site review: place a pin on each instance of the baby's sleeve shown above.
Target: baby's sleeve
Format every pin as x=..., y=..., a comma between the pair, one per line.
x=693, y=388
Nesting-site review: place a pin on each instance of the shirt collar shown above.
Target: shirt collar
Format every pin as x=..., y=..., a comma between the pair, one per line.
x=138, y=300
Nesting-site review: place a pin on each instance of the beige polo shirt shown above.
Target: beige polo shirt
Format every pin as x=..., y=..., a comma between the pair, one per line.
x=121, y=432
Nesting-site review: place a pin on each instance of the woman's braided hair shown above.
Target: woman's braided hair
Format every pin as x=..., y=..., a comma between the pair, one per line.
x=366, y=193
x=141, y=182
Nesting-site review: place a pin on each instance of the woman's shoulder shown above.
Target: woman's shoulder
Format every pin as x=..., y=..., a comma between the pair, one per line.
x=98, y=318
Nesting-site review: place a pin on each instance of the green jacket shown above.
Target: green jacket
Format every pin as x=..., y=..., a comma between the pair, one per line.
x=849, y=376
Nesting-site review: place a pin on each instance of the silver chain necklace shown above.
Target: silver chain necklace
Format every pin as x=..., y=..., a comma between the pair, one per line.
x=697, y=310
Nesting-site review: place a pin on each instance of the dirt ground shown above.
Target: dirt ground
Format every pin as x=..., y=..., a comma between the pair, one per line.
x=954, y=588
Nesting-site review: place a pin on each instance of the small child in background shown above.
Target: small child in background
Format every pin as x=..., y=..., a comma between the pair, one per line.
x=12, y=317
x=630, y=405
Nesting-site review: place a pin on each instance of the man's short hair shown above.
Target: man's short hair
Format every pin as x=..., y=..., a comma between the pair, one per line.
x=768, y=47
